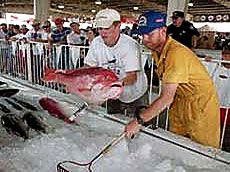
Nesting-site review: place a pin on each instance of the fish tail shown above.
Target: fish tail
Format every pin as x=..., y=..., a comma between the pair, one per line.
x=50, y=75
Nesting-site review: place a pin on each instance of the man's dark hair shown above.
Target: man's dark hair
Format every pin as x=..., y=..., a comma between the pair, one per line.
x=73, y=23
x=226, y=49
x=16, y=27
x=4, y=24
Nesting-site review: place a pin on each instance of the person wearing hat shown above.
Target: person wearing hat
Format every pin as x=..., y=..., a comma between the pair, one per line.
x=58, y=36
x=24, y=29
x=120, y=53
x=182, y=30
x=35, y=34
x=75, y=37
x=187, y=89
x=46, y=30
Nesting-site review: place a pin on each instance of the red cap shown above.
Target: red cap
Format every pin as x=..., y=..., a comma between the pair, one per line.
x=58, y=20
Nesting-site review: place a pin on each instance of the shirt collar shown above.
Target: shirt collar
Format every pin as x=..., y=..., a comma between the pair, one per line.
x=163, y=55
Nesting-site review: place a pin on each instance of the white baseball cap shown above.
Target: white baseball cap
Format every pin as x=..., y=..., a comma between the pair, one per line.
x=106, y=17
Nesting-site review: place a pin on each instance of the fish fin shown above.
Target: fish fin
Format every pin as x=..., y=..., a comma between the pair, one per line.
x=50, y=75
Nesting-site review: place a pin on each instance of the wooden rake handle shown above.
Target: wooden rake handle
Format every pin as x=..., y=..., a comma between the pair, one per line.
x=108, y=147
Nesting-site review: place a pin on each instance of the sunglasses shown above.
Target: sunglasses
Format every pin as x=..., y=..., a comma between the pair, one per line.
x=35, y=25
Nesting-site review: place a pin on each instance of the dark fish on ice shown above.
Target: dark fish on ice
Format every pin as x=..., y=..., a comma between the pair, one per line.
x=94, y=85
x=4, y=109
x=54, y=109
x=35, y=122
x=15, y=105
x=15, y=125
x=25, y=104
x=3, y=84
x=8, y=92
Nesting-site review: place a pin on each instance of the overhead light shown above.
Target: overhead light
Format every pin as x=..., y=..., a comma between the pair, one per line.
x=135, y=8
x=190, y=4
x=93, y=11
x=98, y=2
x=61, y=6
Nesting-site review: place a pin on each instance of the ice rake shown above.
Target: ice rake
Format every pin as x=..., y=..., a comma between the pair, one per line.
x=81, y=107
x=105, y=150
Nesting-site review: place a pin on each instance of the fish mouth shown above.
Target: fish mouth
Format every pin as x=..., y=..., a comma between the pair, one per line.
x=116, y=85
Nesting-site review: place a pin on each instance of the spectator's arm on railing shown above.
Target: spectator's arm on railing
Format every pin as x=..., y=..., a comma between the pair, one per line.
x=208, y=58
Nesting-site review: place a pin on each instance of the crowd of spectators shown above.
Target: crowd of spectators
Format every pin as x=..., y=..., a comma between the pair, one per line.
x=221, y=40
x=180, y=29
x=44, y=32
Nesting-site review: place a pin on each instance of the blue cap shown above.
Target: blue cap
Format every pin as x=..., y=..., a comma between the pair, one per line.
x=149, y=21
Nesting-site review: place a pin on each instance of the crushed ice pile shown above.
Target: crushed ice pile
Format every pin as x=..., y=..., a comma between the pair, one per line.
x=81, y=143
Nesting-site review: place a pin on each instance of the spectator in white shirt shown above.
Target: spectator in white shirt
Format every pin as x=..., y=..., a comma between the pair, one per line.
x=222, y=82
x=23, y=31
x=75, y=37
x=35, y=35
x=4, y=31
x=46, y=30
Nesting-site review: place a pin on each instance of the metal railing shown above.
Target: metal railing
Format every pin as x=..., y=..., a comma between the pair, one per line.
x=27, y=61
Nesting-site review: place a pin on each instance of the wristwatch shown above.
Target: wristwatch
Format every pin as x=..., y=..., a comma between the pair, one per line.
x=140, y=119
x=138, y=110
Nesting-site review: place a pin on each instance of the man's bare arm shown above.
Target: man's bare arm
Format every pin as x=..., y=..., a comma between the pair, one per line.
x=165, y=100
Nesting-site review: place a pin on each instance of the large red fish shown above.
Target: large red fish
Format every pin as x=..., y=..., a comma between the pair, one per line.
x=54, y=109
x=94, y=85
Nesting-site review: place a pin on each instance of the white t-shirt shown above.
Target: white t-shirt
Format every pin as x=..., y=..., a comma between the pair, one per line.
x=121, y=58
x=75, y=38
x=32, y=34
x=222, y=82
x=211, y=67
x=3, y=35
x=45, y=36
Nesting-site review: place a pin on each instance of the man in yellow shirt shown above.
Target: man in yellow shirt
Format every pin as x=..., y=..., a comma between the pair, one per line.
x=187, y=89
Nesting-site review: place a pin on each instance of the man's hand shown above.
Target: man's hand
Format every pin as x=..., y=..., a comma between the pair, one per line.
x=131, y=78
x=208, y=58
x=132, y=128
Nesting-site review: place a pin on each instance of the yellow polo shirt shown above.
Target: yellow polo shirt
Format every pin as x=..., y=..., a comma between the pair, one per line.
x=195, y=109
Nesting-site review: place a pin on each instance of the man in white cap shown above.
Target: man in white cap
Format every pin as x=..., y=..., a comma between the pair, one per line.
x=121, y=54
